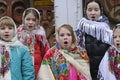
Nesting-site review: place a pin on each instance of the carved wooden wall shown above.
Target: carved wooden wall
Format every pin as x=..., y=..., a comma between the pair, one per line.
x=13, y=8
x=46, y=9
x=112, y=10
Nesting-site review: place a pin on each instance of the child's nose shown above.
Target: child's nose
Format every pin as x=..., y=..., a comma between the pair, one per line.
x=65, y=37
x=6, y=30
x=92, y=12
x=118, y=39
x=31, y=21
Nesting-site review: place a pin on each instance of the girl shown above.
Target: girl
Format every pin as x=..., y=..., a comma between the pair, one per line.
x=15, y=60
x=94, y=34
x=33, y=36
x=65, y=60
x=109, y=68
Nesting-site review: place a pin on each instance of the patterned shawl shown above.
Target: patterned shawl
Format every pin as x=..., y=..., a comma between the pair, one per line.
x=30, y=37
x=5, y=54
x=61, y=64
x=98, y=29
x=109, y=68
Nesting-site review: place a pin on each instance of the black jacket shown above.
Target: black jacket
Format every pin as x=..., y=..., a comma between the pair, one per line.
x=95, y=50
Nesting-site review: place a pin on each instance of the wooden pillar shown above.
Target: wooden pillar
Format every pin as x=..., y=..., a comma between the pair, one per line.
x=9, y=8
x=31, y=3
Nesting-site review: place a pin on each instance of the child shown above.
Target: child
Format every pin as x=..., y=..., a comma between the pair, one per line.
x=65, y=60
x=33, y=35
x=109, y=68
x=94, y=34
x=15, y=60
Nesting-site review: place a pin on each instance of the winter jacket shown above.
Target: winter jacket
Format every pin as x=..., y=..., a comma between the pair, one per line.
x=36, y=42
x=21, y=65
x=96, y=37
x=95, y=50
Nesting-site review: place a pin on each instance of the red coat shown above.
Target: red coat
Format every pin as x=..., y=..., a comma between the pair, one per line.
x=36, y=42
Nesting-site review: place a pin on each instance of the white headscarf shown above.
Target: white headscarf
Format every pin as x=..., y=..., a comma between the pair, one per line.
x=24, y=14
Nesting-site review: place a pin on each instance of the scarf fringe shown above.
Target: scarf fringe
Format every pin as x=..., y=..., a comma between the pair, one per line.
x=99, y=30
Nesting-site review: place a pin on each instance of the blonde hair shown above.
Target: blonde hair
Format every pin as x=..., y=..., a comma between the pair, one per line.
x=5, y=21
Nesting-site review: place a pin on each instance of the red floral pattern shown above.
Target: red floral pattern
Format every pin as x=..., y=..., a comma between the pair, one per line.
x=114, y=59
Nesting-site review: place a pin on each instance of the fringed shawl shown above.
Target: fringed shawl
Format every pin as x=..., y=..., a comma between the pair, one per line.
x=36, y=35
x=99, y=30
x=109, y=68
x=61, y=64
x=29, y=38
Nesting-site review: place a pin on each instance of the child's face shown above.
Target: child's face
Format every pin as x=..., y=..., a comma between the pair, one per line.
x=117, y=38
x=30, y=22
x=65, y=38
x=7, y=32
x=93, y=11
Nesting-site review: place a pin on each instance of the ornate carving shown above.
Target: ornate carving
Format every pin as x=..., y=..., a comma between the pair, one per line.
x=112, y=9
x=13, y=8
